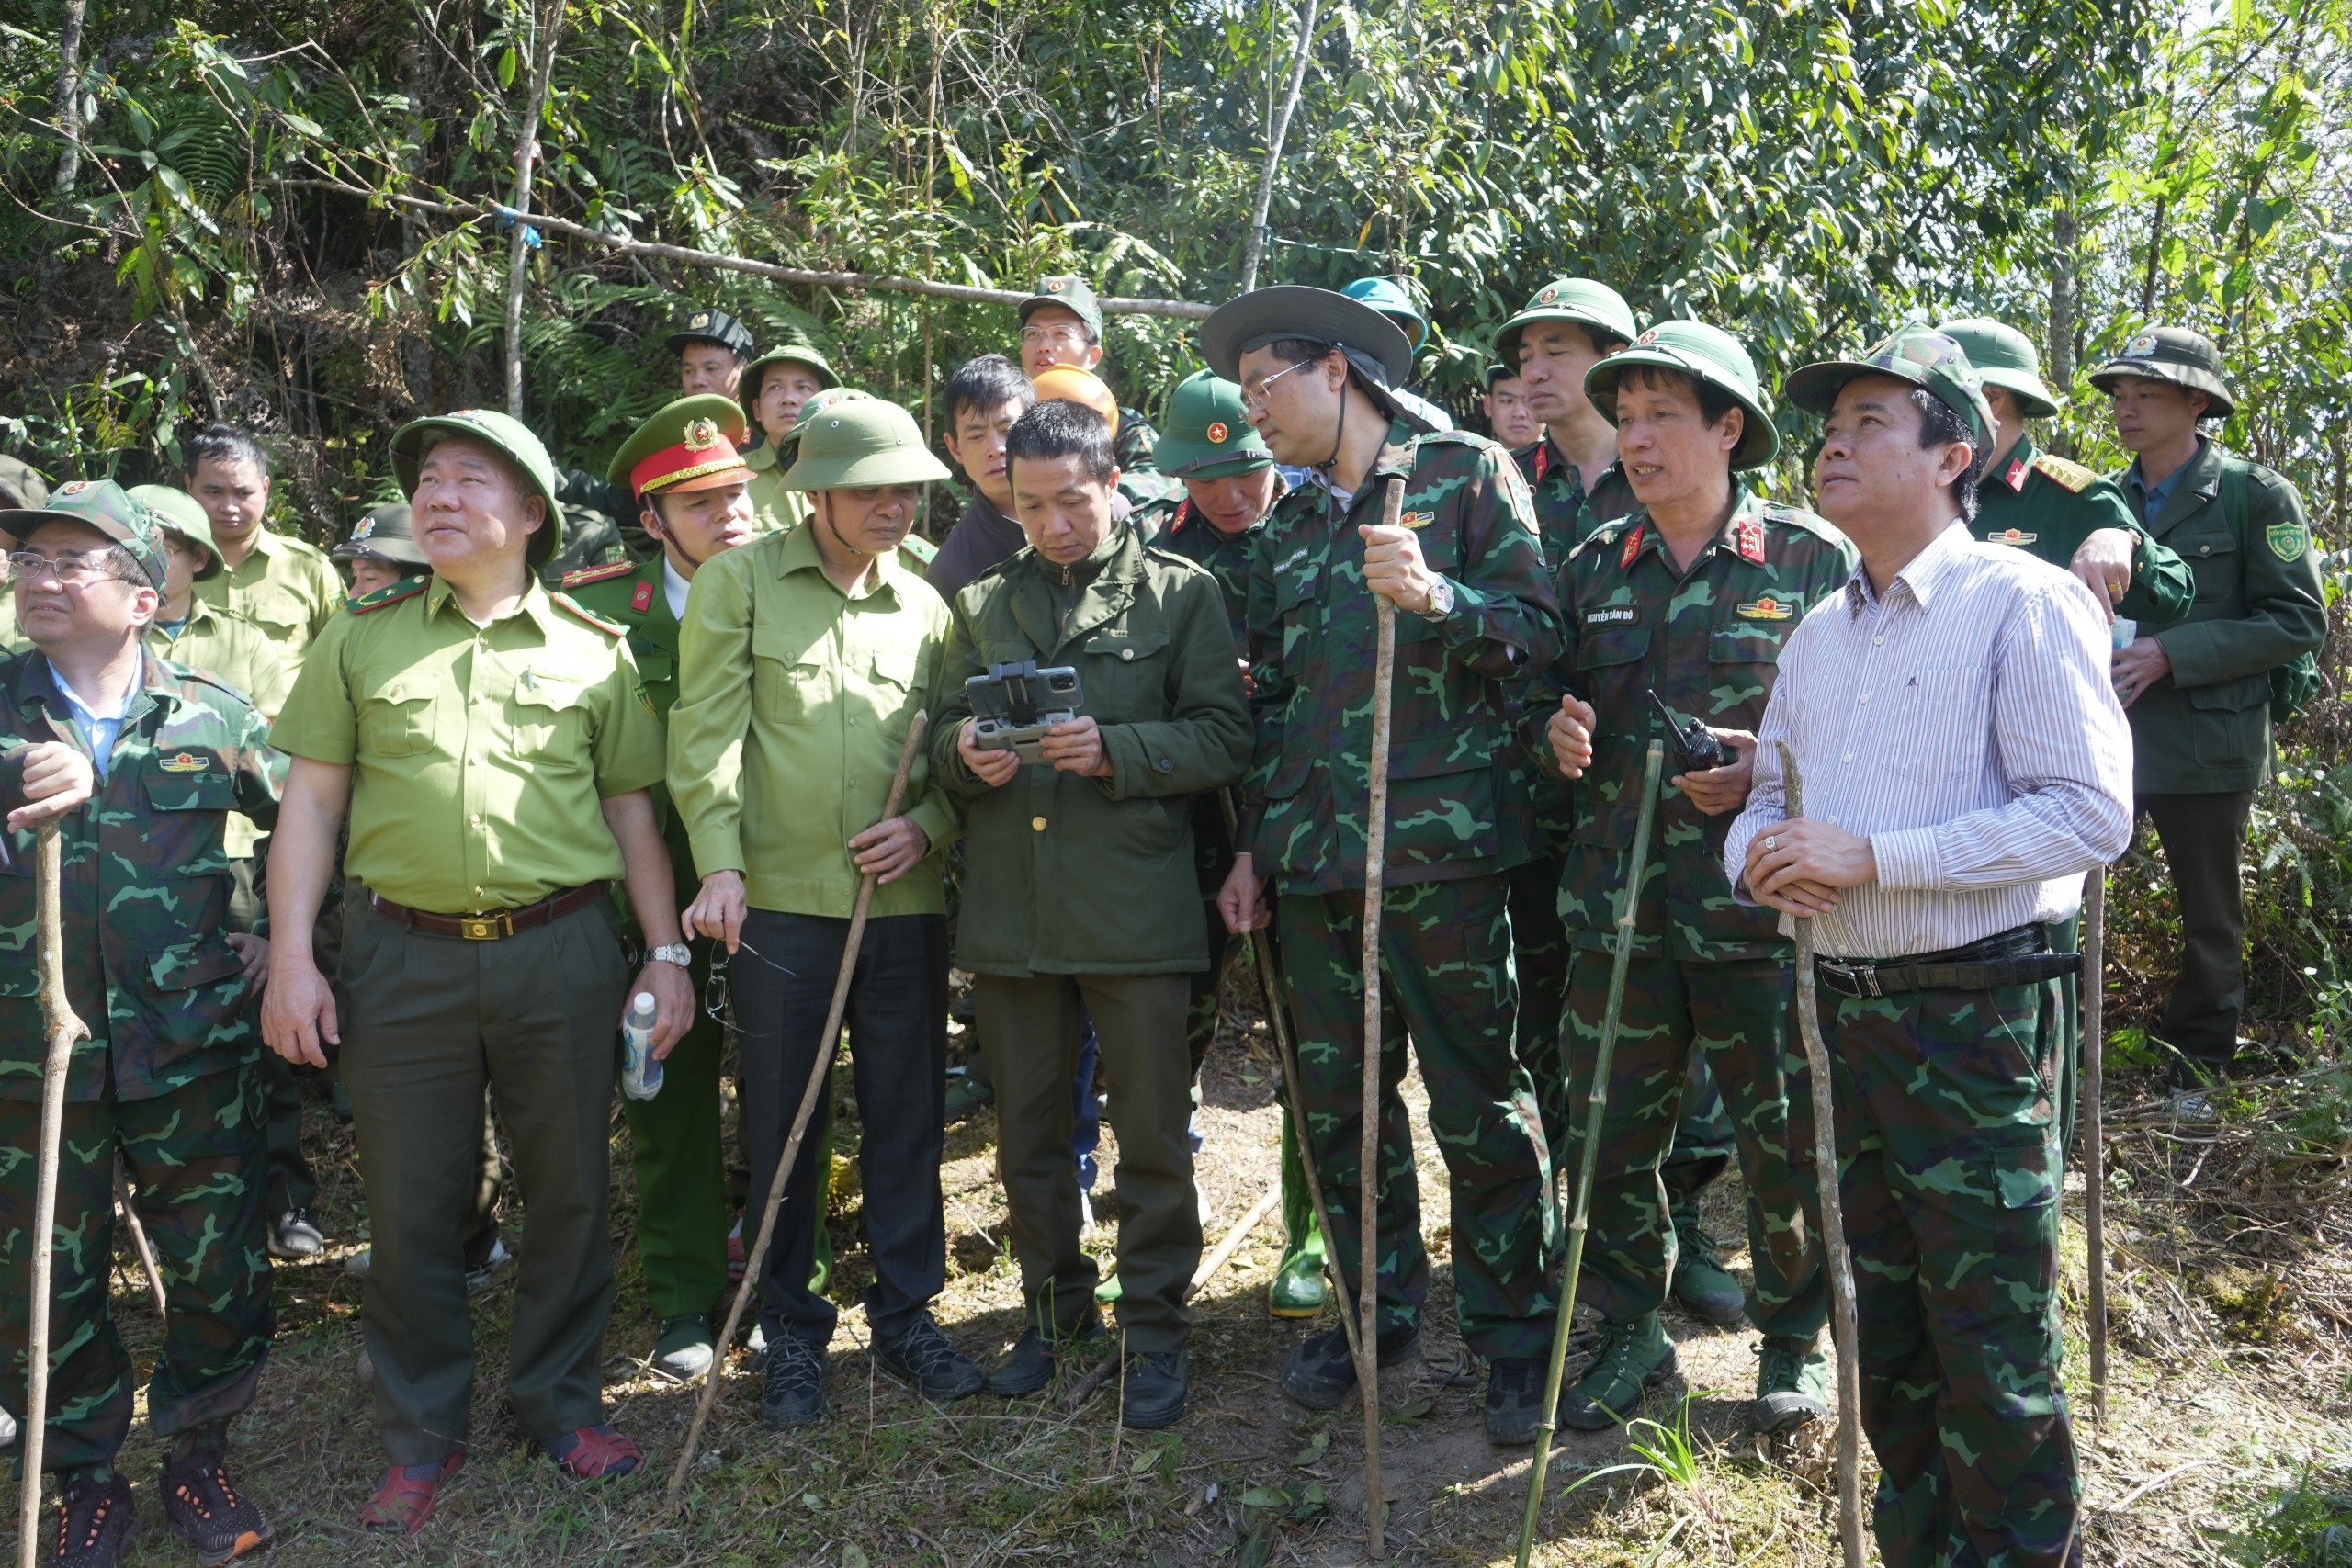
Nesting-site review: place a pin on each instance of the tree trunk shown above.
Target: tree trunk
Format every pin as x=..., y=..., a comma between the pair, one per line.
x=2064, y=259
x=1254, y=246
x=526, y=158
x=69, y=97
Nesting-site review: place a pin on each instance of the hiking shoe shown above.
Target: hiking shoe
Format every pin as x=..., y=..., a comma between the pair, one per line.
x=1792, y=1384
x=794, y=1391
x=95, y=1519
x=966, y=1096
x=404, y=1499
x=925, y=1360
x=1031, y=1363
x=1702, y=1286
x=1320, y=1375
x=1514, y=1399
x=1300, y=1289
x=683, y=1349
x=1151, y=1390
x=595, y=1453
x=479, y=1275
x=202, y=1504
x=1627, y=1358
x=292, y=1234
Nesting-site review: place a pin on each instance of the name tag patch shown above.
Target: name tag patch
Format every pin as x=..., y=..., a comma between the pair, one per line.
x=1618, y=614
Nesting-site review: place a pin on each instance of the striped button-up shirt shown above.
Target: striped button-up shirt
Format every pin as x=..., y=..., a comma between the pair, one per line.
x=1961, y=721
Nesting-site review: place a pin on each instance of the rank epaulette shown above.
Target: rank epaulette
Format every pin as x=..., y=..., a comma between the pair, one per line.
x=2073, y=476
x=582, y=576
x=406, y=588
x=579, y=612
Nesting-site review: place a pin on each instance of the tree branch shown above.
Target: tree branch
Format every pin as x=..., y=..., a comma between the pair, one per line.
x=526, y=158
x=1256, y=243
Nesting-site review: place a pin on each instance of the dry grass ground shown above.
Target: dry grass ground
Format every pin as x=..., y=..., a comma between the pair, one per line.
x=2222, y=1446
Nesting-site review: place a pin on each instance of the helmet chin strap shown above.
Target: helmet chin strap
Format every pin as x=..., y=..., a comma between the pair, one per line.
x=1329, y=466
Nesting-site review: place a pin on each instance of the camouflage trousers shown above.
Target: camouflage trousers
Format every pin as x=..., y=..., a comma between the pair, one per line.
x=1704, y=1141
x=1740, y=1017
x=1446, y=978
x=196, y=1160
x=1949, y=1178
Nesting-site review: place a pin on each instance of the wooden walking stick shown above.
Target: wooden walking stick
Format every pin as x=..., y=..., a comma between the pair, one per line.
x=1833, y=1214
x=65, y=1026
x=125, y=1204
x=1596, y=1114
x=819, y=1075
x=2092, y=1021
x=1376, y=857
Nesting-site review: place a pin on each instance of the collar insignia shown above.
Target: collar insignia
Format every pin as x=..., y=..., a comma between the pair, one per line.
x=1768, y=609
x=1748, y=537
x=1632, y=545
x=2014, y=478
x=642, y=599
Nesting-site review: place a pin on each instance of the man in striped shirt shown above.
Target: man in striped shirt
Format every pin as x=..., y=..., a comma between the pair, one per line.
x=1964, y=761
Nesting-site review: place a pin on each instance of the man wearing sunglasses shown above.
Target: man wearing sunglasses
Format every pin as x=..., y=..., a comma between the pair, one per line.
x=140, y=762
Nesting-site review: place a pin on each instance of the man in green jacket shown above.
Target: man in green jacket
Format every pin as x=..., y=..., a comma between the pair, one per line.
x=1079, y=895
x=776, y=387
x=692, y=486
x=2198, y=692
x=804, y=657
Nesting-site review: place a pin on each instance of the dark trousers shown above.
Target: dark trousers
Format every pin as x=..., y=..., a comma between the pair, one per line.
x=433, y=1019
x=782, y=983
x=292, y=1184
x=2201, y=835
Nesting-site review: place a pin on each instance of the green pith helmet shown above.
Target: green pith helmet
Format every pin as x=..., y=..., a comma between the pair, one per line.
x=1917, y=354
x=95, y=504
x=1387, y=295
x=2005, y=357
x=504, y=434
x=20, y=485
x=859, y=441
x=1203, y=435
x=790, y=354
x=1599, y=309
x=2184, y=359
x=1073, y=294
x=711, y=326
x=1704, y=354
x=181, y=514
x=387, y=534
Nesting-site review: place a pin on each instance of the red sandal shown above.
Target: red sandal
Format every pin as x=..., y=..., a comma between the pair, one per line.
x=595, y=1453
x=404, y=1502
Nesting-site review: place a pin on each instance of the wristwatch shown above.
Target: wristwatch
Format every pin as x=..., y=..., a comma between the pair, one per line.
x=676, y=953
x=1440, y=601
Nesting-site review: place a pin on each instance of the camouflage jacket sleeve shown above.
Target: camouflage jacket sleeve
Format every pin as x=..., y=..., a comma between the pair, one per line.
x=1505, y=620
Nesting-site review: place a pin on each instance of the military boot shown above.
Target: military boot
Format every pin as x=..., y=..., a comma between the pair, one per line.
x=1702, y=1286
x=1628, y=1360
x=1792, y=1384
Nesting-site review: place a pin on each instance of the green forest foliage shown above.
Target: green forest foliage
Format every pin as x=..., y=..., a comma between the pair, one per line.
x=259, y=223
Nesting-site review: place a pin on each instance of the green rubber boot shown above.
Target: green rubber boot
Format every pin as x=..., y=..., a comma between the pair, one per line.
x=1300, y=1288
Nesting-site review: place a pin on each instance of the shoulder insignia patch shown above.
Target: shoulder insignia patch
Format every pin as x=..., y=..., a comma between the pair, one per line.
x=1632, y=545
x=2072, y=475
x=581, y=576
x=2011, y=536
x=921, y=551
x=2287, y=540
x=1768, y=609
x=578, y=612
x=1747, y=534
x=642, y=599
x=184, y=762
x=1416, y=519
x=407, y=588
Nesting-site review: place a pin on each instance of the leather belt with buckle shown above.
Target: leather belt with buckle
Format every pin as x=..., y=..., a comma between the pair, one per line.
x=2016, y=957
x=491, y=925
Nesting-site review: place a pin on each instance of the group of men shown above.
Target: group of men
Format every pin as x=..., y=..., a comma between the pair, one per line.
x=497, y=810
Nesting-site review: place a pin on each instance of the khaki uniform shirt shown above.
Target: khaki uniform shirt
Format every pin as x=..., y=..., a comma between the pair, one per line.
x=237, y=653
x=284, y=586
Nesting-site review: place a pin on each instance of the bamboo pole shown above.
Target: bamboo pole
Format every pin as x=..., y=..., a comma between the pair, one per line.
x=2091, y=1019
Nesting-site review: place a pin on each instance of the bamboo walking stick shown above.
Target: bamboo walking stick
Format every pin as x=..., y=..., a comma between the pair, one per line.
x=65, y=1026
x=1376, y=856
x=1833, y=1214
x=2092, y=1022
x=1596, y=1114
x=819, y=1075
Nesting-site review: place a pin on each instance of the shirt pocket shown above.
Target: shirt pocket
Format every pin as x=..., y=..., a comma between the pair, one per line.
x=200, y=992
x=187, y=813
x=397, y=712
x=2225, y=721
x=2211, y=551
x=789, y=676
x=549, y=721
x=1940, y=719
x=1122, y=672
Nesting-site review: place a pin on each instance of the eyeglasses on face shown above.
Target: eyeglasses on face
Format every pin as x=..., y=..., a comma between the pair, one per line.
x=75, y=569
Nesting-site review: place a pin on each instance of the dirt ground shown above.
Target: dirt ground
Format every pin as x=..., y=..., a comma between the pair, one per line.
x=2196, y=1457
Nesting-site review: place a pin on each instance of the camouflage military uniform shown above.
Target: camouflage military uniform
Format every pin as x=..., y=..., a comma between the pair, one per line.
x=166, y=1077
x=1455, y=830
x=1709, y=974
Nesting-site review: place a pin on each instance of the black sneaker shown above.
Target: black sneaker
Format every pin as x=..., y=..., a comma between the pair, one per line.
x=1320, y=1375
x=794, y=1394
x=95, y=1520
x=1030, y=1364
x=202, y=1504
x=293, y=1236
x=924, y=1359
x=1514, y=1399
x=1152, y=1389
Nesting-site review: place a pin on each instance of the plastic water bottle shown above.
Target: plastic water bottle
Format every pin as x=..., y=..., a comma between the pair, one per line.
x=641, y=1074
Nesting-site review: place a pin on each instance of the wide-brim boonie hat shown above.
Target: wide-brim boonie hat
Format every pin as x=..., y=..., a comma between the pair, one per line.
x=2184, y=359
x=1916, y=354
x=1375, y=344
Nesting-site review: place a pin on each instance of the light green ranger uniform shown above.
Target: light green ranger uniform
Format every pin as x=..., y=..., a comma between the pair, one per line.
x=777, y=507
x=285, y=585
x=480, y=758
x=19, y=487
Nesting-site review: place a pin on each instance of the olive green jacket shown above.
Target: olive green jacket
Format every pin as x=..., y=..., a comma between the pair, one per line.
x=1065, y=874
x=2205, y=728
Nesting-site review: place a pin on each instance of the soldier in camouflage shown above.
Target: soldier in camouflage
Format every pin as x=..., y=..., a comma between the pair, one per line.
x=140, y=763
x=1683, y=601
x=1230, y=487
x=1475, y=611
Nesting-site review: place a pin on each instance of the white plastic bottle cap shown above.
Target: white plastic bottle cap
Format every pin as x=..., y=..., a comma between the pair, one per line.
x=642, y=1003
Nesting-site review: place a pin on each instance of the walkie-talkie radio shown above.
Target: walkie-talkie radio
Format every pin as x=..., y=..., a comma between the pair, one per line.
x=1696, y=746
x=1014, y=704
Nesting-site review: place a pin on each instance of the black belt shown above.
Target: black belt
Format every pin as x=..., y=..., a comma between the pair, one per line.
x=2016, y=957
